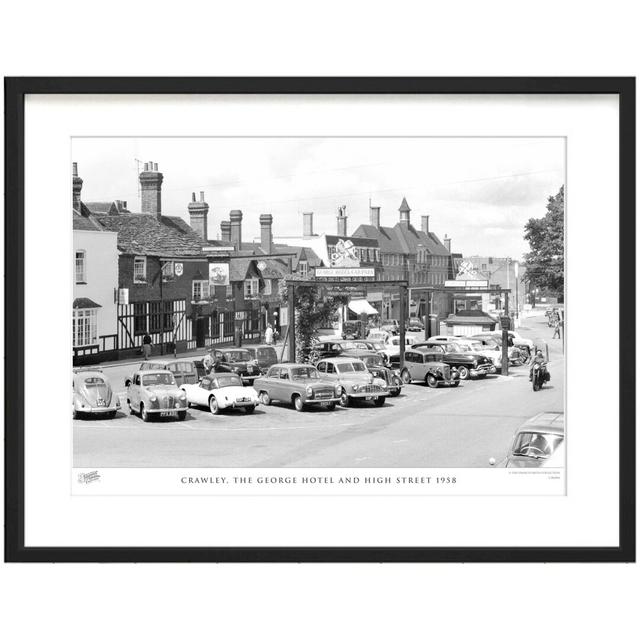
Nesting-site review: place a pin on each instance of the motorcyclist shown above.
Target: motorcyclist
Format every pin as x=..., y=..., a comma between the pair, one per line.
x=537, y=359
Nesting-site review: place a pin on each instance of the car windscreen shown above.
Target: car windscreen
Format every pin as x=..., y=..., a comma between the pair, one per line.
x=304, y=373
x=237, y=356
x=349, y=367
x=531, y=444
x=228, y=381
x=373, y=361
x=162, y=377
x=452, y=347
x=268, y=353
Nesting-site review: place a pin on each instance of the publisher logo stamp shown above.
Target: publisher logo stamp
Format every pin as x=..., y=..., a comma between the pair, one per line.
x=88, y=477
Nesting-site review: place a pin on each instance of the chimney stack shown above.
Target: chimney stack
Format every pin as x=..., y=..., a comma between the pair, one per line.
x=151, y=189
x=266, y=235
x=425, y=224
x=342, y=221
x=405, y=212
x=447, y=243
x=77, y=188
x=307, y=224
x=198, y=212
x=374, y=216
x=235, y=217
x=225, y=231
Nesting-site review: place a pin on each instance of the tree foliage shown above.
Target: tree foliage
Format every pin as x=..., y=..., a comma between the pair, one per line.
x=545, y=262
x=314, y=310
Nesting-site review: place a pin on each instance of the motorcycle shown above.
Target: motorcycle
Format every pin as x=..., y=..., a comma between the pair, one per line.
x=539, y=376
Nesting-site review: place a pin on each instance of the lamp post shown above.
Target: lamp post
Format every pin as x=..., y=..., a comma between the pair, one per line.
x=515, y=269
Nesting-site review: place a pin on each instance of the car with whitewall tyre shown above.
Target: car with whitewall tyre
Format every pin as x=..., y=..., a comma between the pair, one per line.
x=220, y=391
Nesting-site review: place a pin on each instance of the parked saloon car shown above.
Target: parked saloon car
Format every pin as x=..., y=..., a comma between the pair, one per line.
x=539, y=442
x=375, y=363
x=238, y=361
x=414, y=324
x=356, y=383
x=92, y=394
x=467, y=364
x=297, y=384
x=185, y=370
x=264, y=355
x=425, y=365
x=155, y=393
x=220, y=391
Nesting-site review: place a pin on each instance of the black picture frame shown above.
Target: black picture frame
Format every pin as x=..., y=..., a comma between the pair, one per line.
x=15, y=91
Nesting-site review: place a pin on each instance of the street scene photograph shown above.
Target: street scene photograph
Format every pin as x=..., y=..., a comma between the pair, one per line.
x=290, y=302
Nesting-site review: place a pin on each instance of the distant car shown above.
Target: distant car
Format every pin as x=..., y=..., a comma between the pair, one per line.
x=352, y=329
x=425, y=365
x=297, y=384
x=379, y=335
x=155, y=393
x=375, y=364
x=473, y=346
x=92, y=394
x=185, y=370
x=220, y=391
x=515, y=339
x=490, y=343
x=392, y=349
x=467, y=364
x=414, y=324
x=391, y=325
x=355, y=382
x=235, y=360
x=264, y=355
x=537, y=443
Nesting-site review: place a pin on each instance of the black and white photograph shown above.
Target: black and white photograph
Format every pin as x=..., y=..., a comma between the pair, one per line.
x=360, y=303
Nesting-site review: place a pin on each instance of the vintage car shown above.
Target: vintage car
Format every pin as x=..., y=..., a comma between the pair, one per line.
x=92, y=394
x=155, y=393
x=490, y=345
x=424, y=365
x=355, y=382
x=515, y=340
x=473, y=346
x=235, y=360
x=185, y=370
x=392, y=350
x=414, y=324
x=379, y=335
x=467, y=363
x=375, y=363
x=539, y=442
x=220, y=391
x=297, y=384
x=265, y=355
x=352, y=329
x=391, y=325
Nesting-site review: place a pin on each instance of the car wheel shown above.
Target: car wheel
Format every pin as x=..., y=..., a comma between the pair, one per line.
x=298, y=404
x=213, y=406
x=406, y=376
x=111, y=415
x=379, y=401
x=394, y=393
x=182, y=415
x=463, y=372
x=344, y=398
x=432, y=381
x=144, y=414
x=456, y=383
x=250, y=409
x=264, y=398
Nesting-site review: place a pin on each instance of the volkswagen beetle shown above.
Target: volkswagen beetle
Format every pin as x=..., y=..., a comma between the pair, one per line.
x=92, y=394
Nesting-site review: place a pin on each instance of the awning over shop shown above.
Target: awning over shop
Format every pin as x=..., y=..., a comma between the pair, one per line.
x=85, y=303
x=362, y=306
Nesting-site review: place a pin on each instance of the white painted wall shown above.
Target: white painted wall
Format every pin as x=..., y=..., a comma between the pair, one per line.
x=101, y=274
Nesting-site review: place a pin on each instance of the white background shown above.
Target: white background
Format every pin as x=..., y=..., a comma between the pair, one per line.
x=547, y=38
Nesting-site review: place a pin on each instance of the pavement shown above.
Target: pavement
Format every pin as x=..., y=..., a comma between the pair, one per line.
x=444, y=427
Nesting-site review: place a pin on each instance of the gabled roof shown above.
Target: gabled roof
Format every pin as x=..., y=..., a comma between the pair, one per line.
x=145, y=234
x=301, y=253
x=403, y=238
x=239, y=268
x=102, y=207
x=85, y=223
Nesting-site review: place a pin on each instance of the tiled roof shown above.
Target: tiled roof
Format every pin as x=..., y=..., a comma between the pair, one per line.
x=144, y=234
x=402, y=238
x=85, y=303
x=84, y=223
x=238, y=268
x=102, y=207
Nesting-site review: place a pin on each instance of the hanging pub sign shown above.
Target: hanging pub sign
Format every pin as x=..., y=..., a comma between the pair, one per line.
x=178, y=268
x=218, y=274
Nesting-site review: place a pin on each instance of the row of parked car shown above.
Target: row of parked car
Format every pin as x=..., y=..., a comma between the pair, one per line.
x=341, y=372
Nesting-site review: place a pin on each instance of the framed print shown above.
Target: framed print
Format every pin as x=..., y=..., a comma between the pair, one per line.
x=320, y=319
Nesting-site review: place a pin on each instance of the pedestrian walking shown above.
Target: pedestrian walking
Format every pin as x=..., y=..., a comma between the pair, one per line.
x=147, y=341
x=556, y=329
x=268, y=334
